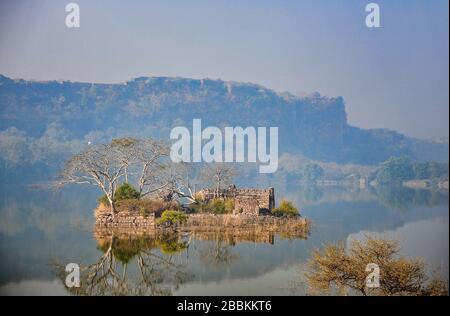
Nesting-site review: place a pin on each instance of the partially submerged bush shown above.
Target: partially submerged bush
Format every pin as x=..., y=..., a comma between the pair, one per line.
x=172, y=217
x=286, y=208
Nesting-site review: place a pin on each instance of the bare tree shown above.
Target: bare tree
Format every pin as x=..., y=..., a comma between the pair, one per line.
x=146, y=160
x=127, y=149
x=219, y=174
x=336, y=267
x=153, y=158
x=176, y=176
x=185, y=192
x=99, y=165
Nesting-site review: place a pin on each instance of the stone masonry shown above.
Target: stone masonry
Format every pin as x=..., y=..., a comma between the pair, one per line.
x=124, y=219
x=246, y=201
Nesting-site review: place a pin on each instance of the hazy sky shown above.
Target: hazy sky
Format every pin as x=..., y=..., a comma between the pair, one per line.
x=396, y=76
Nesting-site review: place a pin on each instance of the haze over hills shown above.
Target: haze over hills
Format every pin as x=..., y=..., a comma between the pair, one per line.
x=46, y=121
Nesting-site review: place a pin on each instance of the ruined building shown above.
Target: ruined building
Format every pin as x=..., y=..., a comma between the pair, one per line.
x=246, y=201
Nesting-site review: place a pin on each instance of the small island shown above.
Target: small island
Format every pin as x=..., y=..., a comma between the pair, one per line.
x=243, y=212
x=162, y=200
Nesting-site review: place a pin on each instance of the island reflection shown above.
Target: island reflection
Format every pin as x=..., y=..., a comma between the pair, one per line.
x=156, y=263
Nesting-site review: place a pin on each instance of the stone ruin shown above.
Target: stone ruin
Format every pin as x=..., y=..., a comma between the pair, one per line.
x=125, y=219
x=246, y=201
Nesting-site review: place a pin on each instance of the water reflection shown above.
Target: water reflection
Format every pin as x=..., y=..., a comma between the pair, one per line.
x=132, y=265
x=155, y=263
x=393, y=197
x=37, y=227
x=401, y=198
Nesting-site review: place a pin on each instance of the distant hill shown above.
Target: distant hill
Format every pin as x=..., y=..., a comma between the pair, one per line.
x=59, y=117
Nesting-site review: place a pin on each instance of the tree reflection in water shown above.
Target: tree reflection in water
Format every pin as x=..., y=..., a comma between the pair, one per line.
x=155, y=261
x=134, y=262
x=217, y=253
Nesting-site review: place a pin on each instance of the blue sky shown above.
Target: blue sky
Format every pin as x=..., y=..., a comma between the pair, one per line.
x=396, y=76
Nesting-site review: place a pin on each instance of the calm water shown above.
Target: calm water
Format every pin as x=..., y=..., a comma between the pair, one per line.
x=39, y=229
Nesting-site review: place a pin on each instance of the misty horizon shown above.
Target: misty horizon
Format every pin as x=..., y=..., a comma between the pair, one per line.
x=394, y=77
x=311, y=94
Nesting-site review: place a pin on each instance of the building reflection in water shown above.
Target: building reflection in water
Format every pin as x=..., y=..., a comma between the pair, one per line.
x=134, y=262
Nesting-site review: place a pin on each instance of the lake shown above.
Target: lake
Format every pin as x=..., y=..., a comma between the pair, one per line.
x=41, y=229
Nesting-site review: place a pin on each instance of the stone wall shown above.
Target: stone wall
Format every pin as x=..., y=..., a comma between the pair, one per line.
x=130, y=218
x=246, y=201
x=126, y=220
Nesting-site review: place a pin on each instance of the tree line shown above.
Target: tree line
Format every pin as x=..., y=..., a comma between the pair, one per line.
x=397, y=169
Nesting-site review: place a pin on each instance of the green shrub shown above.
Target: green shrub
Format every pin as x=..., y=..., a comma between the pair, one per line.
x=229, y=205
x=124, y=191
x=286, y=208
x=172, y=217
x=215, y=206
